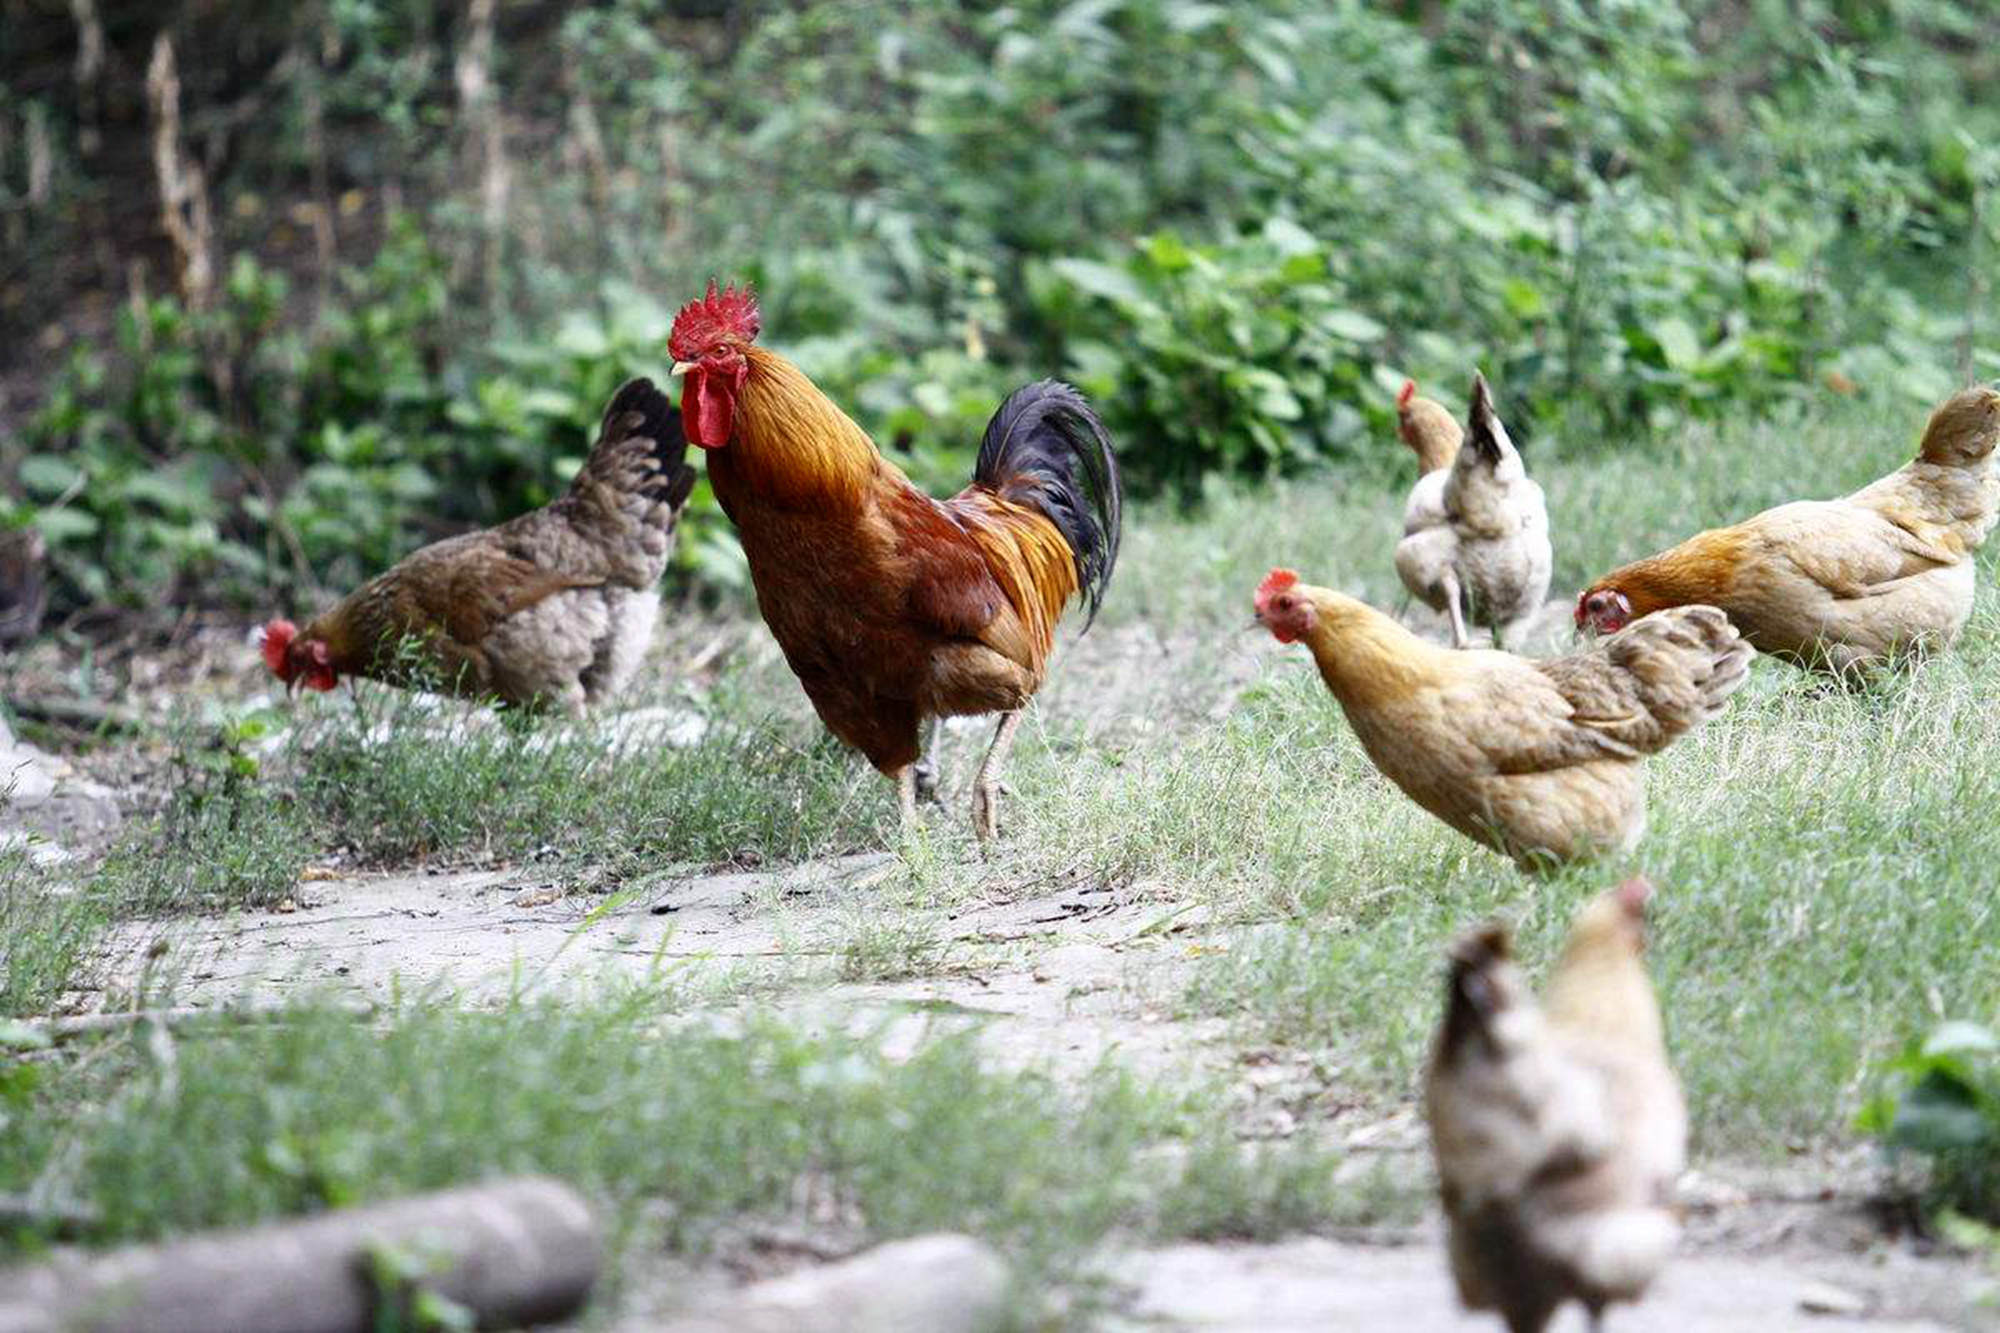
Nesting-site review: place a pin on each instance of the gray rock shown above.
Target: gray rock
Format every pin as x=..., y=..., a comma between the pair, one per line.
x=1827, y=1299
x=930, y=1284
x=43, y=795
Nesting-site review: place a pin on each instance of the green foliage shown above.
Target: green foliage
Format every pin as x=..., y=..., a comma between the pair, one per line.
x=703, y=1129
x=1239, y=226
x=224, y=839
x=1243, y=357
x=225, y=450
x=1947, y=1111
x=48, y=934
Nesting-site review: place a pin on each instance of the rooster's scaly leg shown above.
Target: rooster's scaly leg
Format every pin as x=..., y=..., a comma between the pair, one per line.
x=906, y=796
x=928, y=770
x=986, y=787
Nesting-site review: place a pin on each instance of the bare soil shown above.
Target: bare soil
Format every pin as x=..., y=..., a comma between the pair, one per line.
x=1062, y=981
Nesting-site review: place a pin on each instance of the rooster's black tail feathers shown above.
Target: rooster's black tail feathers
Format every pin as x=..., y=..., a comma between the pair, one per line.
x=1046, y=449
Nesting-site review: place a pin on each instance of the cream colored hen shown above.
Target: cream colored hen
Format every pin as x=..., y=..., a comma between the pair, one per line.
x=1537, y=759
x=1874, y=578
x=1476, y=528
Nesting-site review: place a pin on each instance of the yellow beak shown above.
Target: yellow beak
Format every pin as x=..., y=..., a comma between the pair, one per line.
x=681, y=368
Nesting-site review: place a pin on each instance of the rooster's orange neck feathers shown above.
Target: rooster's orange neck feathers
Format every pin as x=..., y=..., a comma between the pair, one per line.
x=792, y=446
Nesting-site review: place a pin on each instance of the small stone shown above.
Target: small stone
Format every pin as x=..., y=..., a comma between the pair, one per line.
x=1822, y=1298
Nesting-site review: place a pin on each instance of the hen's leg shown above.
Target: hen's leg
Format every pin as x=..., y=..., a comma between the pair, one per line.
x=1459, y=639
x=927, y=769
x=986, y=787
x=906, y=796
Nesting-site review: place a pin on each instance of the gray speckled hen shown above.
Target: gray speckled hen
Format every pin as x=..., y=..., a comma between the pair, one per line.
x=554, y=608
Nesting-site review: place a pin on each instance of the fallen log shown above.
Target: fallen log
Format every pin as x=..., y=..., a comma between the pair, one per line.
x=514, y=1253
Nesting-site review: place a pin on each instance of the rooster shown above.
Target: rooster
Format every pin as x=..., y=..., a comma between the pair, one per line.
x=553, y=608
x=1540, y=760
x=1476, y=529
x=892, y=607
x=1872, y=579
x=1558, y=1128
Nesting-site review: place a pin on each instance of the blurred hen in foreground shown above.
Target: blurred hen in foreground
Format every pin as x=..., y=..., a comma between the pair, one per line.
x=1559, y=1127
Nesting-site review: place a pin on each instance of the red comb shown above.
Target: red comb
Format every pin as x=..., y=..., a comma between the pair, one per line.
x=1634, y=893
x=1409, y=391
x=1274, y=583
x=720, y=315
x=276, y=638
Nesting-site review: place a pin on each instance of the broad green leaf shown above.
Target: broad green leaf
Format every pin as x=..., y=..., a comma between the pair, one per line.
x=1678, y=342
x=1289, y=237
x=49, y=476
x=1168, y=252
x=1102, y=280
x=544, y=402
x=1351, y=325
x=66, y=525
x=1961, y=1038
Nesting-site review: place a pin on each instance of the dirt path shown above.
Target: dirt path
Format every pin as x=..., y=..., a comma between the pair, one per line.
x=1063, y=982
x=1314, y=1286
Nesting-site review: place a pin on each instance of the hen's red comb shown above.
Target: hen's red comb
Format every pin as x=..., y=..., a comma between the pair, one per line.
x=1634, y=893
x=1274, y=583
x=277, y=637
x=720, y=315
x=1409, y=391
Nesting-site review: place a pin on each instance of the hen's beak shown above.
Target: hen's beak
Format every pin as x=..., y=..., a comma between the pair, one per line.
x=681, y=368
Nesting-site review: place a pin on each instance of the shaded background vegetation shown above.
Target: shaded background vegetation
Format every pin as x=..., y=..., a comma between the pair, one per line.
x=286, y=290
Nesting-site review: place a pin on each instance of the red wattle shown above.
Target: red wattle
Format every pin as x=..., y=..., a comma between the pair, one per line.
x=278, y=636
x=707, y=410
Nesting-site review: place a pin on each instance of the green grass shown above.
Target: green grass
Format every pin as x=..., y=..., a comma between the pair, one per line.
x=1823, y=857
x=682, y=1134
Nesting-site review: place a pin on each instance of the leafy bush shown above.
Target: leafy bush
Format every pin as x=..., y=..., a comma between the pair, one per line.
x=1948, y=1112
x=1240, y=226
x=1236, y=358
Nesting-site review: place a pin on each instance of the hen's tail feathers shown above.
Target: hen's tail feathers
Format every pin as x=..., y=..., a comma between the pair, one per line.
x=1616, y=1253
x=1685, y=663
x=641, y=448
x=1045, y=449
x=1475, y=992
x=1487, y=437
